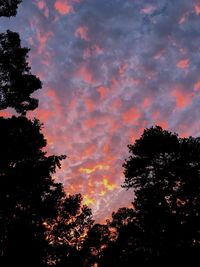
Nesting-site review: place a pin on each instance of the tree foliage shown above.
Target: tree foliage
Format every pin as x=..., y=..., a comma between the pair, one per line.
x=67, y=231
x=96, y=243
x=16, y=81
x=164, y=171
x=163, y=227
x=28, y=194
x=8, y=8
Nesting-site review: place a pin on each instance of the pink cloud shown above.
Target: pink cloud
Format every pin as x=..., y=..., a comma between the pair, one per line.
x=43, y=38
x=90, y=123
x=63, y=7
x=183, y=99
x=40, y=4
x=148, y=9
x=197, y=8
x=90, y=105
x=102, y=91
x=131, y=115
x=183, y=63
x=84, y=73
x=183, y=18
x=197, y=85
x=82, y=32
x=158, y=54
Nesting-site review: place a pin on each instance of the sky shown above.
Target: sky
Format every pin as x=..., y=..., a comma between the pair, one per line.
x=110, y=68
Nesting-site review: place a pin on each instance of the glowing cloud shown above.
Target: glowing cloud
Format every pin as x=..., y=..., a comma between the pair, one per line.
x=131, y=115
x=43, y=38
x=197, y=8
x=102, y=91
x=90, y=170
x=88, y=200
x=109, y=186
x=197, y=86
x=183, y=64
x=63, y=7
x=85, y=74
x=183, y=99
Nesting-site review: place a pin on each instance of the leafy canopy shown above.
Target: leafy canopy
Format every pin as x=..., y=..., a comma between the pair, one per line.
x=16, y=81
x=8, y=8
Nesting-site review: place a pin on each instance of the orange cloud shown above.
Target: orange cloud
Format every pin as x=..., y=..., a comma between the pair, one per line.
x=102, y=91
x=63, y=7
x=5, y=113
x=162, y=123
x=131, y=115
x=90, y=105
x=82, y=32
x=44, y=114
x=85, y=74
x=90, y=150
x=102, y=193
x=88, y=200
x=109, y=186
x=146, y=103
x=90, y=170
x=90, y=123
x=158, y=119
x=183, y=64
x=183, y=99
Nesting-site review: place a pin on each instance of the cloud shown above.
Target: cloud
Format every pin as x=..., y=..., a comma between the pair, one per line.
x=63, y=7
x=82, y=32
x=183, y=64
x=109, y=70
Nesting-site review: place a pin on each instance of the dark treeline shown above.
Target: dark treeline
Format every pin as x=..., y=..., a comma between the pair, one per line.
x=41, y=226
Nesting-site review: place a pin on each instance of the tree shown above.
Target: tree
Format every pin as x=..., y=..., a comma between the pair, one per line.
x=8, y=8
x=96, y=243
x=121, y=250
x=164, y=171
x=16, y=81
x=28, y=194
x=66, y=232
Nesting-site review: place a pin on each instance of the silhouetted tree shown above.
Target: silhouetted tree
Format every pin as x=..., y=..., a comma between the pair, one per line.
x=121, y=247
x=8, y=8
x=96, y=242
x=66, y=233
x=28, y=194
x=164, y=171
x=16, y=81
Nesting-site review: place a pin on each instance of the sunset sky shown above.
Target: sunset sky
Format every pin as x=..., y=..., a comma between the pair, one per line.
x=110, y=68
